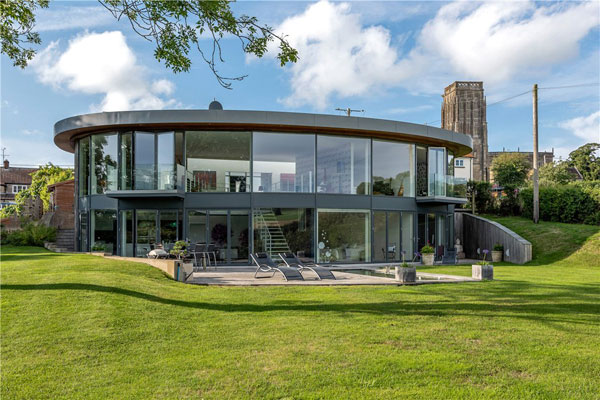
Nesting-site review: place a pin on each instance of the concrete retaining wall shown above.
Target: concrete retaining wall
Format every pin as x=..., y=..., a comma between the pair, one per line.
x=476, y=232
x=167, y=266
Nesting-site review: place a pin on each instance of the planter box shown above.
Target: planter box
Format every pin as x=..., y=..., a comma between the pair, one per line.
x=427, y=259
x=482, y=272
x=406, y=274
x=496, y=256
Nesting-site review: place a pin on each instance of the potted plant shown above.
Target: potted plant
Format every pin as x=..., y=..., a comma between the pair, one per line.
x=497, y=252
x=406, y=273
x=180, y=252
x=427, y=254
x=98, y=248
x=483, y=270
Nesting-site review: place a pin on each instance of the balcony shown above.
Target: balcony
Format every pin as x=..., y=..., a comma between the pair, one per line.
x=445, y=189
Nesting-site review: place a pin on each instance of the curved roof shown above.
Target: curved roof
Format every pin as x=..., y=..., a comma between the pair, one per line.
x=69, y=129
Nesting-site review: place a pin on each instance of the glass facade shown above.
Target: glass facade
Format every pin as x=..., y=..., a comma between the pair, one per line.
x=264, y=163
x=217, y=161
x=84, y=166
x=283, y=162
x=282, y=230
x=103, y=227
x=344, y=235
x=393, y=168
x=104, y=163
x=343, y=165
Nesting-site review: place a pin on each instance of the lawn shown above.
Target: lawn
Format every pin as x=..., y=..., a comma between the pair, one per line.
x=78, y=326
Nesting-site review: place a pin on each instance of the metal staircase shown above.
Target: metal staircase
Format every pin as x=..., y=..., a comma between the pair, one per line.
x=270, y=233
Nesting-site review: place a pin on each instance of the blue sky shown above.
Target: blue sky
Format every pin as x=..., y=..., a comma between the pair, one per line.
x=392, y=59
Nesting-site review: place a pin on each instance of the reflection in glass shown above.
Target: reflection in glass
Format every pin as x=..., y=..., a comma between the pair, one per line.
x=281, y=230
x=104, y=231
x=145, y=232
x=379, y=236
x=283, y=162
x=437, y=171
x=394, y=237
x=217, y=161
x=168, y=229
x=393, y=168
x=343, y=165
x=431, y=237
x=440, y=229
x=165, y=157
x=84, y=166
x=217, y=230
x=126, y=164
x=422, y=235
x=196, y=221
x=127, y=233
x=239, y=236
x=344, y=235
x=144, y=161
x=104, y=163
x=407, y=235
x=83, y=231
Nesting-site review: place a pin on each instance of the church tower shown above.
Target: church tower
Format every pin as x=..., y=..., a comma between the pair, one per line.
x=463, y=110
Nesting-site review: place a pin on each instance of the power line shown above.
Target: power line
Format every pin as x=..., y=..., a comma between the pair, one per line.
x=572, y=86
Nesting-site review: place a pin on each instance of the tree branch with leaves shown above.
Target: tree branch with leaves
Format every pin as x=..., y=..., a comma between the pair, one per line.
x=175, y=27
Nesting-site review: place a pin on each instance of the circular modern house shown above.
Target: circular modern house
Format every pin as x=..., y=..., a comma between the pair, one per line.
x=328, y=188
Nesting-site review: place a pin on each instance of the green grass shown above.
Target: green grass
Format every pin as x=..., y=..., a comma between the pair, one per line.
x=77, y=326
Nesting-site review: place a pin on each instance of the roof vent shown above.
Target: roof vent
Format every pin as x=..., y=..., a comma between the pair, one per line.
x=215, y=105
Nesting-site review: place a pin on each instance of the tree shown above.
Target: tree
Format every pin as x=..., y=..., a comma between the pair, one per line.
x=40, y=180
x=557, y=172
x=174, y=27
x=510, y=169
x=587, y=160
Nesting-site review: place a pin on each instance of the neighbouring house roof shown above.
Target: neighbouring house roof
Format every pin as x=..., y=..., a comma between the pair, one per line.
x=470, y=155
x=16, y=176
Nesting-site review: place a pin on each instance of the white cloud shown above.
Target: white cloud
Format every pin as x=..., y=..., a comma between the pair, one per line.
x=102, y=63
x=338, y=56
x=57, y=18
x=493, y=42
x=409, y=110
x=586, y=128
x=497, y=41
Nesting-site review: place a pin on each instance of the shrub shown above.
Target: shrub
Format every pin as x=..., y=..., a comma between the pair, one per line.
x=427, y=249
x=498, y=247
x=484, y=202
x=564, y=203
x=31, y=234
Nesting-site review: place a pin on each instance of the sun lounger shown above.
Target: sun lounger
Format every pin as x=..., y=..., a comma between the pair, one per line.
x=291, y=260
x=265, y=264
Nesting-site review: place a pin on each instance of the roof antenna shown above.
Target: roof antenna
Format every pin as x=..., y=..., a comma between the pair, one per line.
x=348, y=110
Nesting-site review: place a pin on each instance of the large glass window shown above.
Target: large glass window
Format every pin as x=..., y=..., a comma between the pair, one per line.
x=127, y=233
x=145, y=232
x=343, y=165
x=126, y=164
x=239, y=236
x=379, y=236
x=168, y=229
x=165, y=161
x=83, y=232
x=437, y=164
x=196, y=221
x=393, y=168
x=104, y=163
x=104, y=231
x=217, y=161
x=144, y=161
x=387, y=239
x=282, y=230
x=408, y=235
x=84, y=166
x=344, y=235
x=283, y=162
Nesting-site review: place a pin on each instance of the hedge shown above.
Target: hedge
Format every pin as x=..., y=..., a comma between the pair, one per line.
x=571, y=203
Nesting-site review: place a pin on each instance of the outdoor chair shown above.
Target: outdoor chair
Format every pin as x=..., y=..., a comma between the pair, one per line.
x=201, y=255
x=265, y=264
x=294, y=262
x=450, y=257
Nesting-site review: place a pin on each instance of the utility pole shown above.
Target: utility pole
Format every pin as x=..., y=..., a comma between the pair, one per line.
x=536, y=189
x=348, y=110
